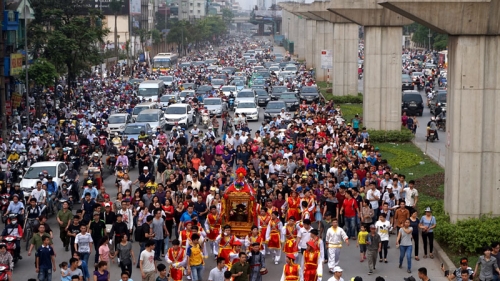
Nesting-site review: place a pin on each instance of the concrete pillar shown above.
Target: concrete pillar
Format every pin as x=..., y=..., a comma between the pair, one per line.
x=345, y=63
x=260, y=31
x=299, y=42
x=238, y=27
x=472, y=162
x=382, y=83
x=324, y=41
x=310, y=51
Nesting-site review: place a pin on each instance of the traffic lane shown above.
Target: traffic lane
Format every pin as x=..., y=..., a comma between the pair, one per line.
x=437, y=149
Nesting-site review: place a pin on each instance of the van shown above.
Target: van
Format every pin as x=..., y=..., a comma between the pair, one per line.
x=143, y=106
x=151, y=90
x=154, y=117
x=180, y=114
x=412, y=103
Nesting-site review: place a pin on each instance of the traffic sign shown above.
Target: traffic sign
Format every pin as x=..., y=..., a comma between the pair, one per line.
x=326, y=59
x=8, y=108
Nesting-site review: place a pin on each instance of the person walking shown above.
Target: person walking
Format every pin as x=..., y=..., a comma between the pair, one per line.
x=147, y=262
x=373, y=246
x=488, y=265
x=256, y=259
x=383, y=227
x=125, y=254
x=241, y=269
x=414, y=224
x=83, y=244
x=404, y=241
x=195, y=258
x=160, y=232
x=64, y=218
x=177, y=258
x=102, y=273
x=45, y=260
x=334, y=237
x=427, y=224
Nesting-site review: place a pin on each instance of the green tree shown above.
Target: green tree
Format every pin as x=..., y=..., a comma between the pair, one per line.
x=66, y=34
x=116, y=7
x=42, y=72
x=227, y=16
x=421, y=35
x=156, y=36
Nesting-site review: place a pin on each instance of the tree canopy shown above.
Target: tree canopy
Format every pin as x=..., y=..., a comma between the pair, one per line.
x=421, y=35
x=66, y=34
x=42, y=72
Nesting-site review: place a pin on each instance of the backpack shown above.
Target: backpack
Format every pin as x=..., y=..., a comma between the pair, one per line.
x=139, y=234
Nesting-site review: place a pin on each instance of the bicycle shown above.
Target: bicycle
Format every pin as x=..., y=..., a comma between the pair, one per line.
x=28, y=231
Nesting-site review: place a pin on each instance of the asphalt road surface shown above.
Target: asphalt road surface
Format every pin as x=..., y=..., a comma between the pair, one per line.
x=349, y=259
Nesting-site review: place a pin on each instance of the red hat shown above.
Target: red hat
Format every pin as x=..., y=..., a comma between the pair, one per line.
x=106, y=195
x=188, y=222
x=290, y=256
x=237, y=243
x=311, y=243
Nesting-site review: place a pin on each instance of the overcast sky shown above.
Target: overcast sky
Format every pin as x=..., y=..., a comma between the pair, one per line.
x=249, y=4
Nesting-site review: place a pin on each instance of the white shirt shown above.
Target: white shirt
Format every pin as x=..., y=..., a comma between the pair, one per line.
x=335, y=236
x=83, y=241
x=410, y=195
x=370, y=195
x=383, y=230
x=38, y=194
x=148, y=261
x=305, y=236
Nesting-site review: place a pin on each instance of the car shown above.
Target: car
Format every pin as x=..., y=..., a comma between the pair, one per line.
x=167, y=80
x=246, y=95
x=309, y=94
x=228, y=69
x=275, y=68
x=259, y=83
x=290, y=99
x=412, y=103
x=239, y=84
x=173, y=97
x=143, y=106
x=185, y=65
x=153, y=117
x=186, y=94
x=276, y=92
x=218, y=83
x=258, y=68
x=203, y=89
x=213, y=68
x=133, y=130
x=273, y=109
x=226, y=90
x=118, y=121
x=262, y=97
x=135, y=81
x=198, y=63
x=249, y=108
x=214, y=106
x=181, y=114
x=211, y=61
x=186, y=86
x=407, y=83
x=291, y=67
x=56, y=169
x=439, y=99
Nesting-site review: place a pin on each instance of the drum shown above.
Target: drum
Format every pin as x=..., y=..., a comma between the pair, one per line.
x=263, y=271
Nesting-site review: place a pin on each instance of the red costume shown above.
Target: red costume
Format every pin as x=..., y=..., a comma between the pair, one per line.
x=176, y=257
x=214, y=223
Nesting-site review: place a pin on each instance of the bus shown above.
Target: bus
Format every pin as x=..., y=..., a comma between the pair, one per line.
x=165, y=61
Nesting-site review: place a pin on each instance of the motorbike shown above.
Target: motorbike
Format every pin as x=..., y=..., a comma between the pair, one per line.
x=10, y=244
x=205, y=119
x=4, y=204
x=112, y=162
x=432, y=136
x=4, y=269
x=441, y=123
x=84, y=159
x=131, y=158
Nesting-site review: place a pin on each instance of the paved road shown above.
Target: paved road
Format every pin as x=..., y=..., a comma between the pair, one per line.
x=349, y=257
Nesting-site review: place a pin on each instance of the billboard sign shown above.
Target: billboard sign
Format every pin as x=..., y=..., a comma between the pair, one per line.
x=135, y=7
x=326, y=59
x=104, y=6
x=16, y=64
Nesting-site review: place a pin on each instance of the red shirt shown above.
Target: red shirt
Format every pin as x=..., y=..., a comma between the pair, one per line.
x=350, y=206
x=170, y=209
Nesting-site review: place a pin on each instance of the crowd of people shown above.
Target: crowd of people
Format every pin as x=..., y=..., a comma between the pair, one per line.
x=319, y=182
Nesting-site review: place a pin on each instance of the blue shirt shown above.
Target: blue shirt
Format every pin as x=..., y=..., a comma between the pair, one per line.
x=52, y=187
x=15, y=208
x=187, y=217
x=44, y=255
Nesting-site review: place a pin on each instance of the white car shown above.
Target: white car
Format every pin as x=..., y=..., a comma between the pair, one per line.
x=56, y=169
x=118, y=121
x=276, y=69
x=226, y=90
x=167, y=80
x=187, y=93
x=165, y=99
x=250, y=109
x=180, y=114
x=246, y=95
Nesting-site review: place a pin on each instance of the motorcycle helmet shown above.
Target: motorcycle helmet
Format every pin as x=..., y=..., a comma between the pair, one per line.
x=89, y=182
x=40, y=174
x=132, y=139
x=70, y=166
x=49, y=177
x=53, y=145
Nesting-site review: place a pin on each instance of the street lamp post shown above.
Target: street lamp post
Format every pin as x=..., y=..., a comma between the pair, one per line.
x=429, y=39
x=26, y=62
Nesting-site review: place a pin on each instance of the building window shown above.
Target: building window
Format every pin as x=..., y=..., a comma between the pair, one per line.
x=199, y=4
x=199, y=12
x=191, y=4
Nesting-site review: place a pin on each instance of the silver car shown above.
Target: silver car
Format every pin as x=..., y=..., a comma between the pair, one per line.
x=214, y=106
